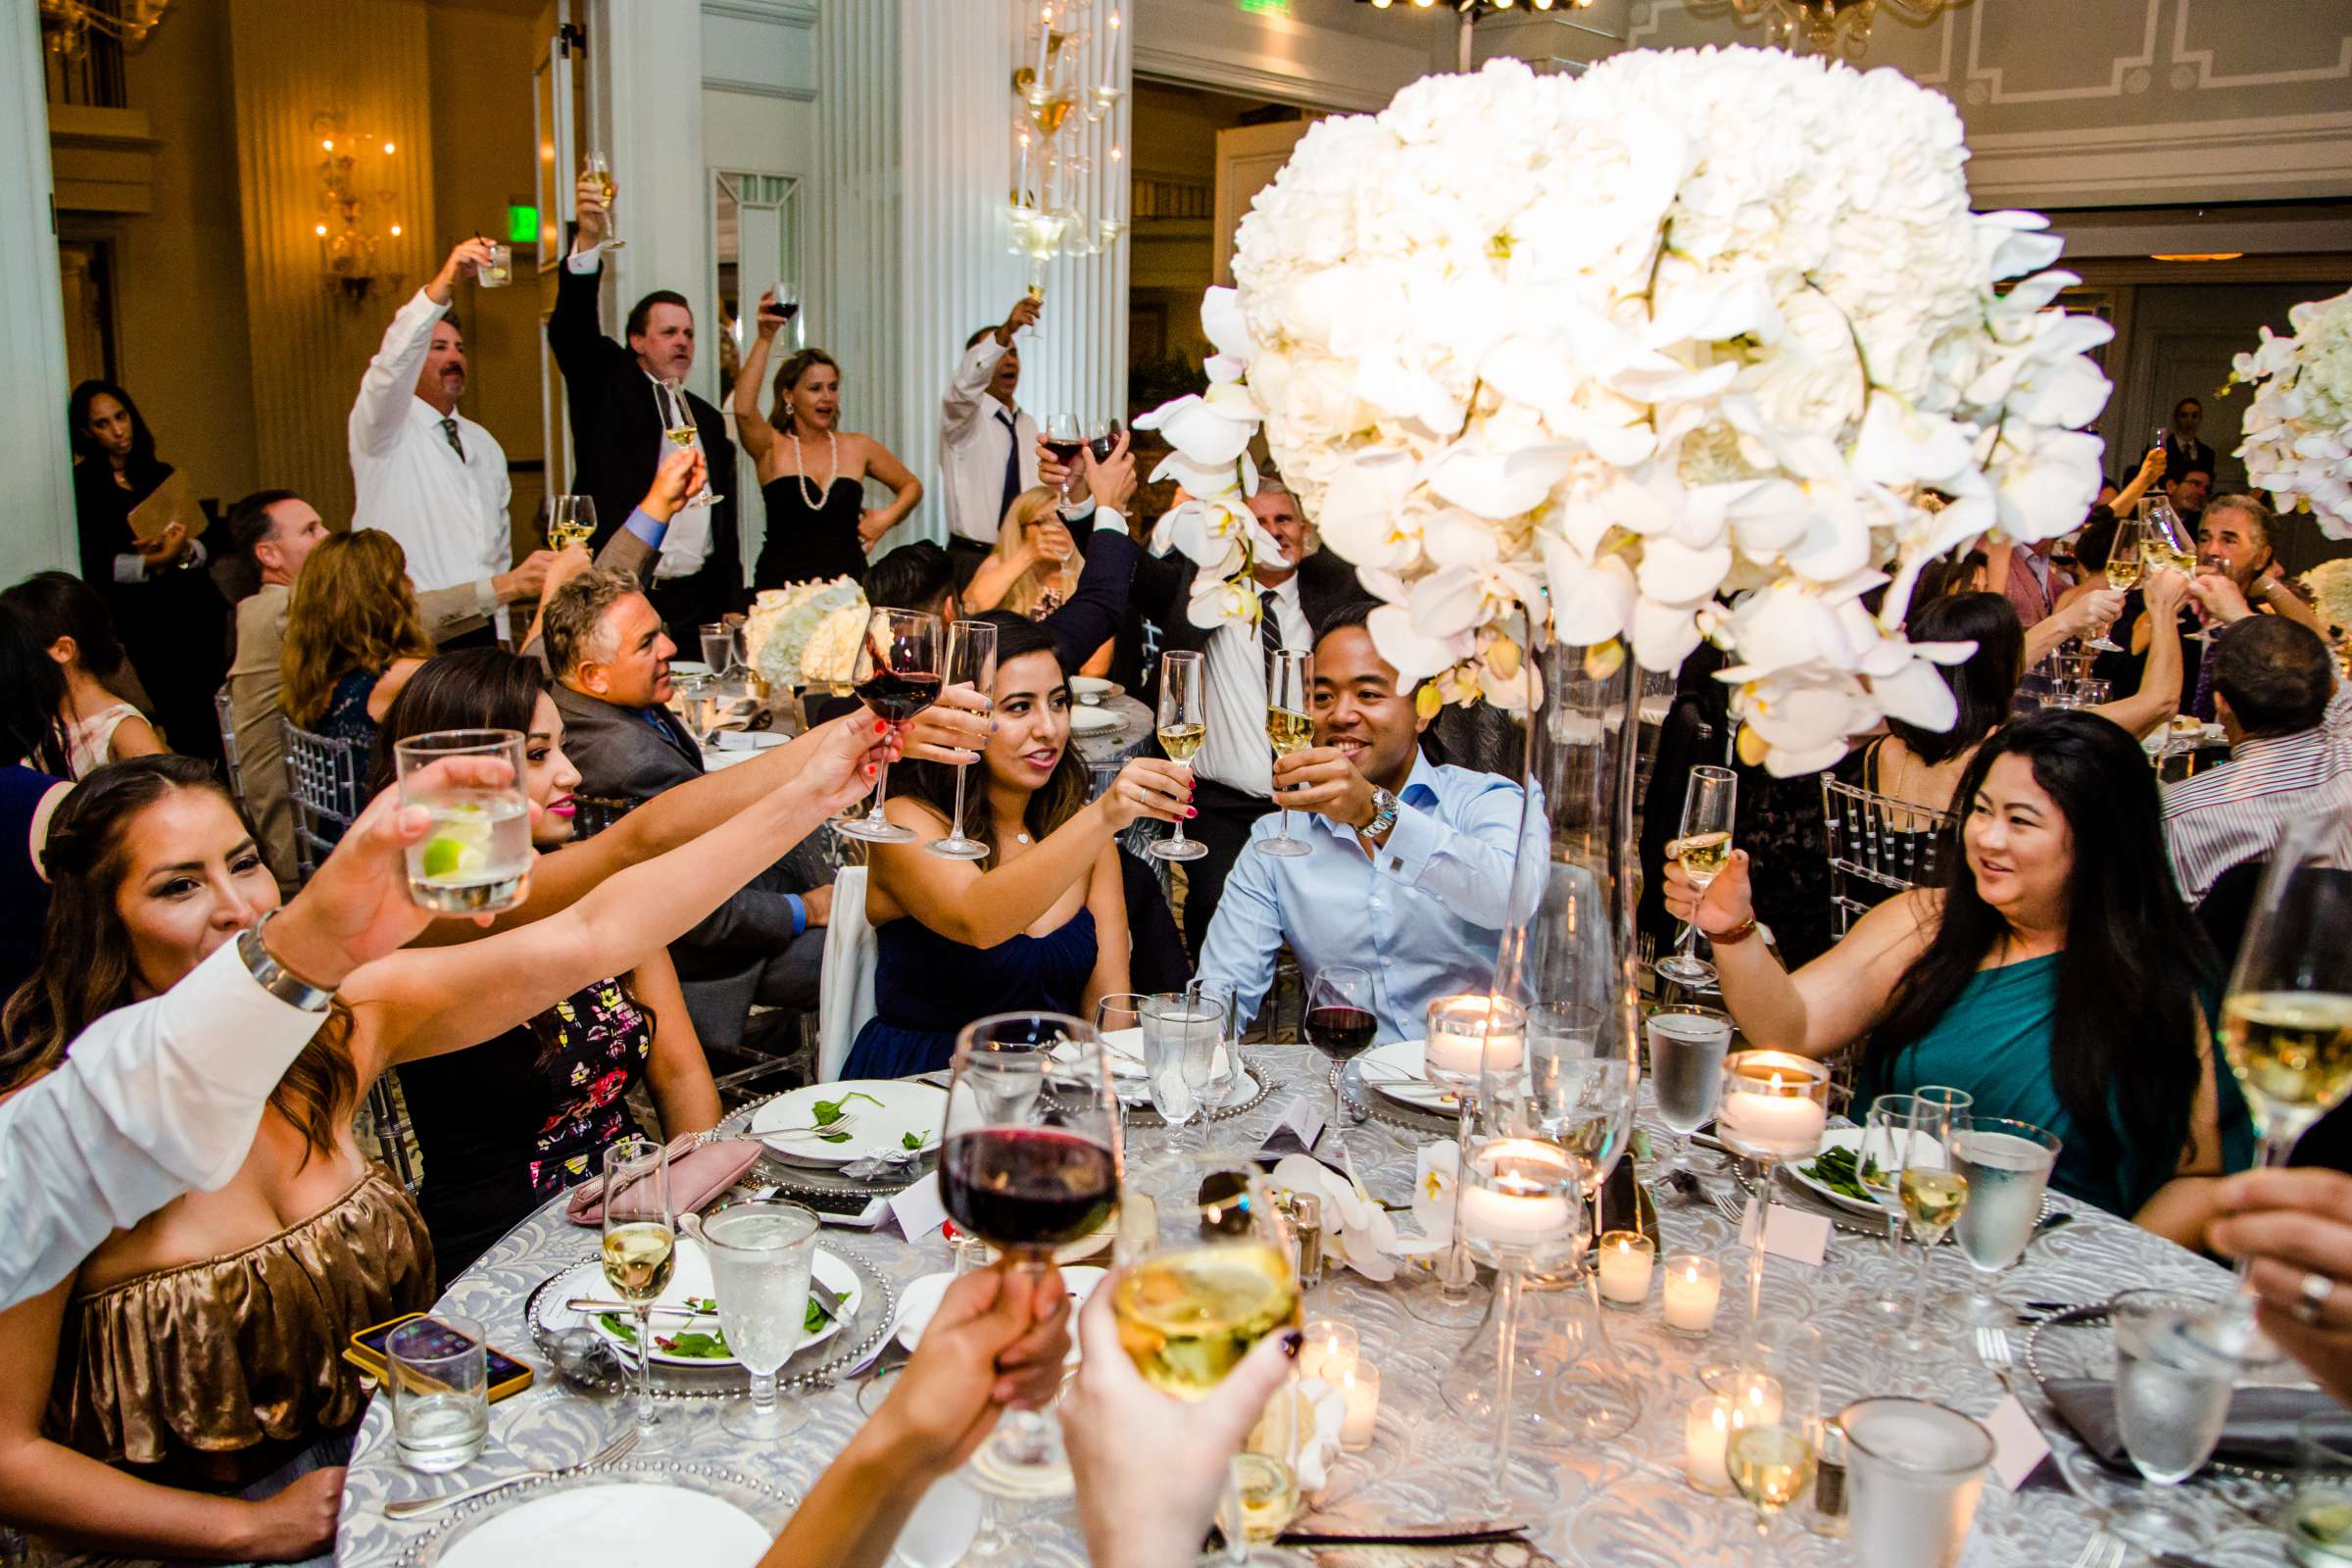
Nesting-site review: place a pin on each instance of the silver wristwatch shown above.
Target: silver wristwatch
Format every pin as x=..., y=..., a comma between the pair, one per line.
x=1384, y=813
x=274, y=977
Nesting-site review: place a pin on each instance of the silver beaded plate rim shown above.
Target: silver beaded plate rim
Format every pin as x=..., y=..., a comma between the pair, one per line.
x=803, y=1181
x=2098, y=1312
x=1369, y=1102
x=1144, y=1117
x=868, y=1323
x=768, y=1503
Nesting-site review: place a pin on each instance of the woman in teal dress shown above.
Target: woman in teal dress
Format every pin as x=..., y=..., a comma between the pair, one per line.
x=2059, y=977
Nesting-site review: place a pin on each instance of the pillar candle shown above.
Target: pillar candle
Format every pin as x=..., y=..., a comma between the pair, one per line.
x=1516, y=1194
x=1466, y=1030
x=1707, y=1436
x=1359, y=1386
x=1625, y=1260
x=1694, y=1289
x=1773, y=1104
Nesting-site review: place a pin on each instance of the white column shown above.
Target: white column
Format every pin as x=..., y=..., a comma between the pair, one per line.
x=33, y=453
x=849, y=291
x=647, y=60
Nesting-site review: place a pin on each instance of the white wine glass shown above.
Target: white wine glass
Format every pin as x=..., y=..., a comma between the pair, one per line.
x=2122, y=569
x=678, y=429
x=640, y=1247
x=897, y=675
x=570, y=521
x=1182, y=727
x=2286, y=1016
x=1933, y=1194
x=1710, y=807
x=600, y=168
x=760, y=1258
x=1289, y=684
x=1879, y=1171
x=972, y=661
x=1774, y=1396
x=1215, y=1279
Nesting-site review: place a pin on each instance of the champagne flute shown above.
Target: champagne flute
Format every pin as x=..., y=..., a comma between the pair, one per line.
x=1289, y=685
x=1932, y=1196
x=677, y=428
x=1215, y=1279
x=1340, y=1023
x=1029, y=1162
x=1878, y=1168
x=1183, y=727
x=972, y=661
x=1064, y=440
x=2286, y=1018
x=639, y=1247
x=599, y=168
x=2166, y=544
x=1710, y=805
x=760, y=1258
x=2123, y=571
x=897, y=675
x=570, y=521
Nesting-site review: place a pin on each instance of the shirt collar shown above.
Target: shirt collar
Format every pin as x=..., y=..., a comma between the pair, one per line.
x=425, y=414
x=2261, y=745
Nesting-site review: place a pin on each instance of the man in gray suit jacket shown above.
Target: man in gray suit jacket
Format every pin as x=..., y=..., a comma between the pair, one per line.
x=611, y=661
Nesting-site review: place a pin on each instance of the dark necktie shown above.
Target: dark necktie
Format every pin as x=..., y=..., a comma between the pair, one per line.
x=1269, y=629
x=2200, y=701
x=1012, y=469
x=449, y=428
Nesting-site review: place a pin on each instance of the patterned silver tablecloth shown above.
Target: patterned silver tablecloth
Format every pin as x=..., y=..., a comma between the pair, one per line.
x=1622, y=1504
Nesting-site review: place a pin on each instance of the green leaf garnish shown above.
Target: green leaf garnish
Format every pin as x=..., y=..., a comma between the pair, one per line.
x=829, y=1111
x=832, y=1137
x=912, y=1139
x=1837, y=1170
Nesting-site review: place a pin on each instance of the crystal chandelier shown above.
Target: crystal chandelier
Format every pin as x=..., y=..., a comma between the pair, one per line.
x=66, y=24
x=1839, y=27
x=1063, y=132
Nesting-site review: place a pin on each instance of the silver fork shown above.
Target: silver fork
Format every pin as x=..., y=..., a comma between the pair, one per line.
x=2103, y=1549
x=418, y=1507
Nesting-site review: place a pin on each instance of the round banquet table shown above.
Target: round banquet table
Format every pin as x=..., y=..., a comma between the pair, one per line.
x=1620, y=1503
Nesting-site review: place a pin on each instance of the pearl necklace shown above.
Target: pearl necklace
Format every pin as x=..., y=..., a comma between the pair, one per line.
x=816, y=499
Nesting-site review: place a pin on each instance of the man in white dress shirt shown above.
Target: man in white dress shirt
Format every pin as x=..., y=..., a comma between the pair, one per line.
x=428, y=475
x=987, y=445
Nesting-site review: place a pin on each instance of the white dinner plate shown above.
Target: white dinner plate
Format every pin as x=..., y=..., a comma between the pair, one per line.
x=1094, y=721
x=1094, y=690
x=921, y=1299
x=906, y=1106
x=1395, y=1069
x=615, y=1522
x=1839, y=1138
x=747, y=740
x=688, y=666
x=691, y=1281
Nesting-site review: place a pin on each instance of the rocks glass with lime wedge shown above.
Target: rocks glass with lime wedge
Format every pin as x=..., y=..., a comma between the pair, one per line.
x=478, y=851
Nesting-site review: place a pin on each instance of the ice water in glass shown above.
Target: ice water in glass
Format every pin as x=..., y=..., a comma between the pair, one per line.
x=438, y=1376
x=474, y=856
x=760, y=1258
x=2008, y=1165
x=1914, y=1472
x=2173, y=1378
x=1686, y=1066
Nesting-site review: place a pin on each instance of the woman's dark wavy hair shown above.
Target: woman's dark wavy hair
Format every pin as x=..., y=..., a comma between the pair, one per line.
x=2125, y=1048
x=31, y=694
x=1984, y=684
x=1064, y=792
x=143, y=459
x=58, y=604
x=87, y=959
x=788, y=376
x=474, y=688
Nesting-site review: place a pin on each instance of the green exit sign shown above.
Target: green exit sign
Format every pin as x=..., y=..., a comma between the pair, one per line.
x=1277, y=7
x=523, y=225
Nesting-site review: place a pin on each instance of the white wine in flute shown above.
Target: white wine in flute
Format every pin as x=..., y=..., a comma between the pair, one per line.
x=1182, y=742
x=2291, y=1050
x=639, y=1259
x=681, y=435
x=1704, y=856
x=1289, y=731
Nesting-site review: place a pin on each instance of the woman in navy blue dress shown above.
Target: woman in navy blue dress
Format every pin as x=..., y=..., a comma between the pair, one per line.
x=1039, y=925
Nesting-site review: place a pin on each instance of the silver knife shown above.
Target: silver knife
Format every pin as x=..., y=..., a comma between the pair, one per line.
x=1439, y=1535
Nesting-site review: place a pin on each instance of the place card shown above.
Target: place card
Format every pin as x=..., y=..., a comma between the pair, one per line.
x=1301, y=1124
x=1789, y=1233
x=2018, y=1446
x=919, y=1209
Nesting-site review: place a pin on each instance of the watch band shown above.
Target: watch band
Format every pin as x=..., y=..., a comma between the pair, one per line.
x=1384, y=813
x=274, y=977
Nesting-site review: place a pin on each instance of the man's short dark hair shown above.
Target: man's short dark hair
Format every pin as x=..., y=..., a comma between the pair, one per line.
x=2185, y=402
x=914, y=576
x=643, y=310
x=249, y=520
x=1355, y=612
x=2277, y=675
x=2187, y=468
x=573, y=620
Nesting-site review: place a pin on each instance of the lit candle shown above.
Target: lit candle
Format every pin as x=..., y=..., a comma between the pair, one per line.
x=1625, y=1259
x=1706, y=1435
x=1754, y=1398
x=1517, y=1195
x=1693, y=1288
x=1774, y=1104
x=1359, y=1386
x=1464, y=1031
x=1331, y=1350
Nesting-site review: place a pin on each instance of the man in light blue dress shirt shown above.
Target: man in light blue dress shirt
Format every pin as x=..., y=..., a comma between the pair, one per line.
x=1409, y=867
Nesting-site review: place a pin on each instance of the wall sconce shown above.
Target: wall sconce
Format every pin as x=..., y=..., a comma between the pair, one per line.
x=66, y=24
x=353, y=171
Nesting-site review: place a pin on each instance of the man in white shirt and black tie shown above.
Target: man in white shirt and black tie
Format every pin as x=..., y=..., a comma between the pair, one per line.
x=987, y=445
x=2182, y=450
x=426, y=475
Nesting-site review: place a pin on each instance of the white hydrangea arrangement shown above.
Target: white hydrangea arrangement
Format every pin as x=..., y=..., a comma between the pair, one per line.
x=2299, y=430
x=2330, y=582
x=1677, y=349
x=805, y=633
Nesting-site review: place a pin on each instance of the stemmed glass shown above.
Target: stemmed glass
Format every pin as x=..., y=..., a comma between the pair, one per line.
x=1709, y=809
x=1933, y=1193
x=1183, y=727
x=1290, y=683
x=1213, y=1281
x=1067, y=443
x=2286, y=1018
x=761, y=1256
x=1686, y=1045
x=1029, y=1161
x=2166, y=544
x=2177, y=1356
x=2124, y=567
x=2007, y=1165
x=1340, y=1023
x=570, y=521
x=1462, y=1032
x=1101, y=439
x=600, y=171
x=1776, y=1410
x=677, y=428
x=972, y=661
x=719, y=648
x=1775, y=1109
x=1879, y=1169
x=1181, y=1034
x=640, y=1247
x=897, y=675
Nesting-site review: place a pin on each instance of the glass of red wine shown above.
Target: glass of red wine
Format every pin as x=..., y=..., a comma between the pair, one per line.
x=1341, y=1024
x=1029, y=1162
x=897, y=675
x=1063, y=440
x=1102, y=438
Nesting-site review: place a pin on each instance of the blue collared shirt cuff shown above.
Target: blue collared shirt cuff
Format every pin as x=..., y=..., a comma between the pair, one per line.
x=800, y=913
x=1411, y=842
x=645, y=526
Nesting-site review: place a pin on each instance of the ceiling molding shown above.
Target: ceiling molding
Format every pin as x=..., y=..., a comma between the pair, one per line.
x=778, y=13
x=1177, y=68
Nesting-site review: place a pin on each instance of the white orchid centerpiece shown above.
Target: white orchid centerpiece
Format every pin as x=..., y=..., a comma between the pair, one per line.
x=1679, y=349
x=2299, y=430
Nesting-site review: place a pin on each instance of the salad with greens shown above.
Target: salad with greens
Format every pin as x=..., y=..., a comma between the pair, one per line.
x=695, y=1342
x=1838, y=1170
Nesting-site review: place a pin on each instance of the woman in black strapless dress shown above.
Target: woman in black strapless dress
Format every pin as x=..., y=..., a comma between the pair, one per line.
x=812, y=472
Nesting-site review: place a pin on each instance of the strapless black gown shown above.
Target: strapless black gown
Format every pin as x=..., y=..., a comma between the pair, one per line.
x=805, y=543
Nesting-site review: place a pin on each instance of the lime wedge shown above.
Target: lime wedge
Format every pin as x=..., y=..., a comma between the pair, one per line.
x=448, y=855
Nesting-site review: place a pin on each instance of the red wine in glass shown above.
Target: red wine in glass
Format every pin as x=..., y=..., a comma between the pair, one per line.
x=786, y=309
x=1065, y=453
x=898, y=695
x=1100, y=446
x=1026, y=1188
x=1340, y=1031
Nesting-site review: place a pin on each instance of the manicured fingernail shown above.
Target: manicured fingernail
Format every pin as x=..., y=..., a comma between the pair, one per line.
x=1192, y=810
x=881, y=724
x=869, y=771
x=1291, y=1343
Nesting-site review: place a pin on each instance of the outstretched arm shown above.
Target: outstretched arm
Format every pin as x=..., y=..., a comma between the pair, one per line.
x=390, y=382
x=751, y=429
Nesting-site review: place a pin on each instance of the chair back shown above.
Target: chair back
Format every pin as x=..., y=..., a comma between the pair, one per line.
x=322, y=784
x=226, y=717
x=845, y=997
x=1878, y=846
x=593, y=813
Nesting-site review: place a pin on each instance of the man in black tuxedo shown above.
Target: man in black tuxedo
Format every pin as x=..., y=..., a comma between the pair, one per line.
x=617, y=428
x=1234, y=774
x=2182, y=450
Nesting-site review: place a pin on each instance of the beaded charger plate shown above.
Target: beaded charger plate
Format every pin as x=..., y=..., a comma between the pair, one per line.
x=811, y=1181
x=1370, y=1103
x=2082, y=1346
x=1237, y=1103
x=729, y=1509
